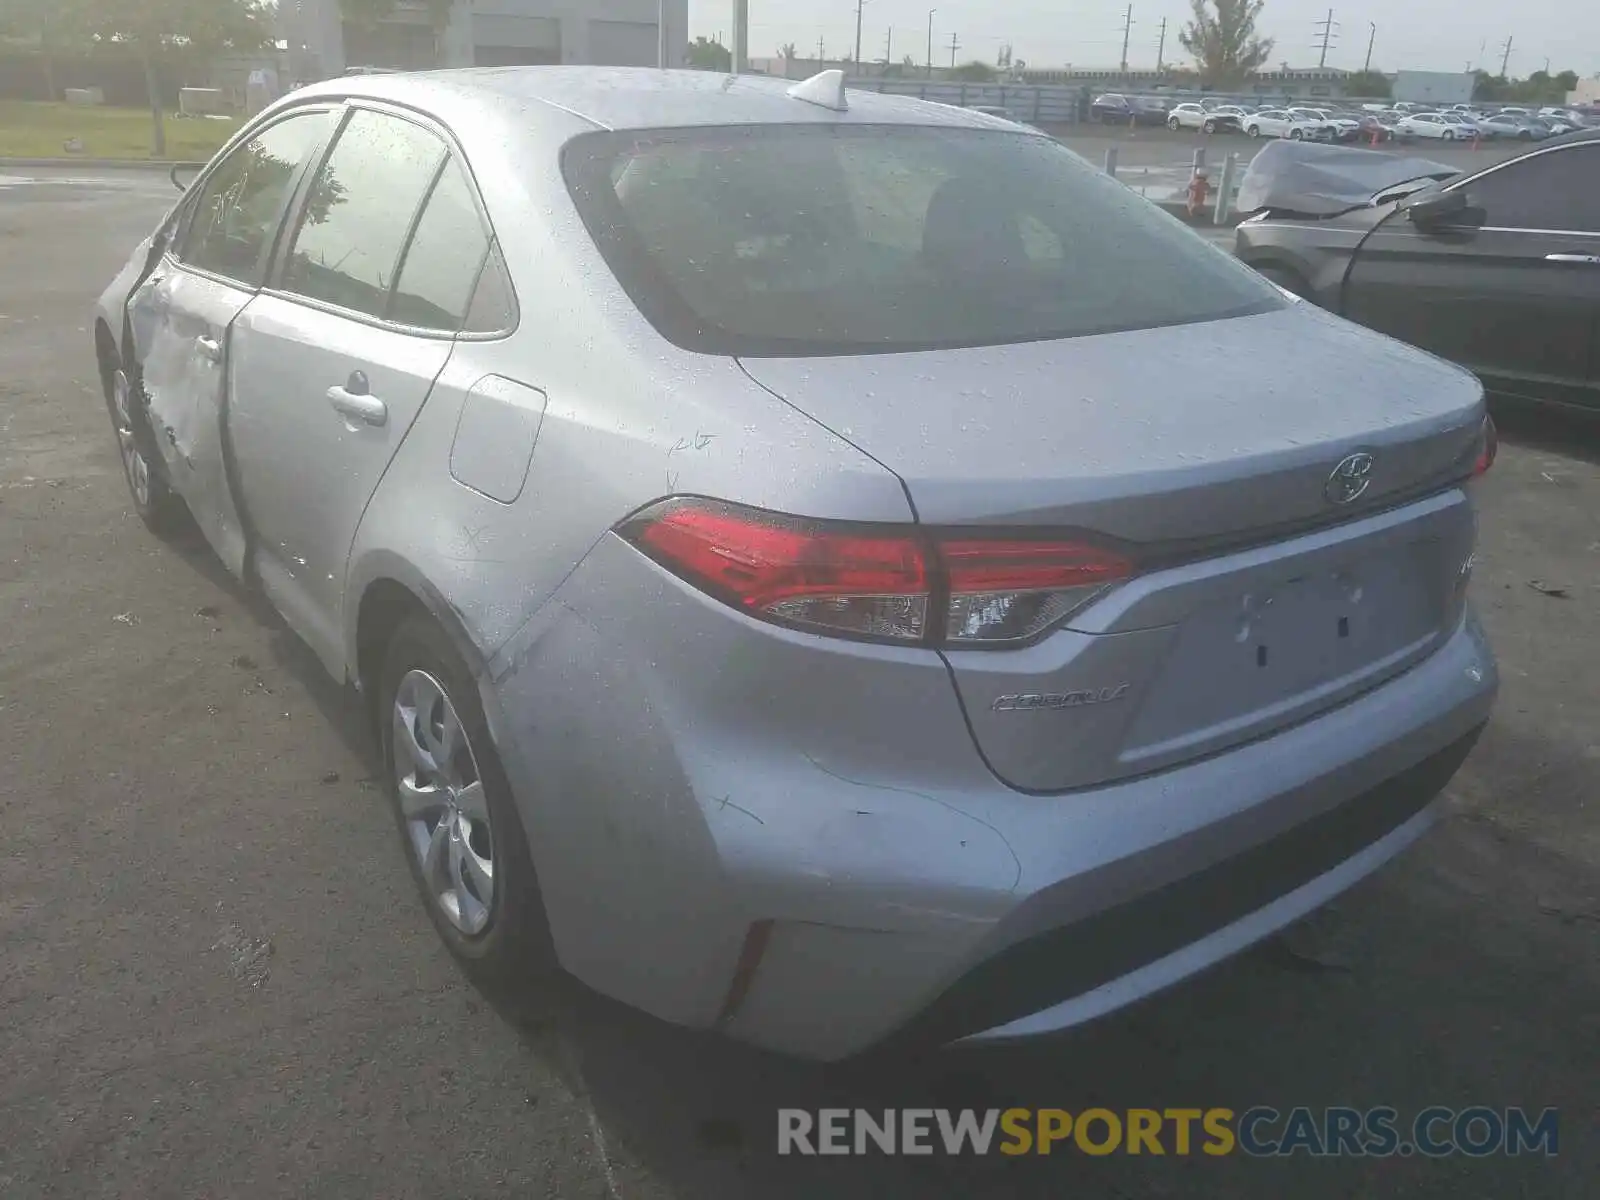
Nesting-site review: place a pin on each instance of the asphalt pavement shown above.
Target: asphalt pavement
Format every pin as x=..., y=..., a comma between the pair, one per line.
x=215, y=980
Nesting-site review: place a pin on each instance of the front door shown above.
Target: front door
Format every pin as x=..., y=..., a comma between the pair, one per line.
x=183, y=312
x=334, y=361
x=1514, y=294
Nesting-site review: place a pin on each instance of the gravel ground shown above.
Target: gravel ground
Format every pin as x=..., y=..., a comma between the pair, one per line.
x=215, y=979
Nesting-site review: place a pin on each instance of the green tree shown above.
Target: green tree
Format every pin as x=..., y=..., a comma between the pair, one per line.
x=1224, y=44
x=973, y=72
x=1490, y=87
x=50, y=27
x=706, y=55
x=1373, y=84
x=152, y=27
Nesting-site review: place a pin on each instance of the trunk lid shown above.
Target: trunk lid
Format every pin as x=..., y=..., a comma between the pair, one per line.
x=1265, y=594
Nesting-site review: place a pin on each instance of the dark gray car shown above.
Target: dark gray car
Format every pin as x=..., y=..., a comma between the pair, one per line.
x=1496, y=269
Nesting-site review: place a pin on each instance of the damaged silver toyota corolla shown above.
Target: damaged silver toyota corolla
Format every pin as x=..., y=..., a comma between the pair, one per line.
x=702, y=478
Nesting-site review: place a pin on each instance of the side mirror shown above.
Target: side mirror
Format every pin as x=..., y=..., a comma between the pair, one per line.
x=1439, y=209
x=183, y=174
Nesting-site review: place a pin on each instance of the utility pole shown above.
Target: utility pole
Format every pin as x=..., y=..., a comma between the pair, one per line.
x=1371, y=38
x=1505, y=58
x=860, y=4
x=741, y=37
x=663, y=42
x=1328, y=26
x=931, y=11
x=954, y=46
x=888, y=46
x=1127, y=28
x=821, y=57
x=1161, y=48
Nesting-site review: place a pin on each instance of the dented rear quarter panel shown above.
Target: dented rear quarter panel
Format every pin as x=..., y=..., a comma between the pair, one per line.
x=628, y=417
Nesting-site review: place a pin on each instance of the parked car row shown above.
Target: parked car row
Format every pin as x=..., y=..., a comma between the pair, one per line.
x=1334, y=123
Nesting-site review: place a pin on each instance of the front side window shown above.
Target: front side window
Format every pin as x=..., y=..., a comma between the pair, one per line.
x=360, y=212
x=1552, y=191
x=800, y=239
x=230, y=227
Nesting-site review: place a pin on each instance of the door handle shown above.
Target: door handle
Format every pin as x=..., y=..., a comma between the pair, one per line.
x=1582, y=260
x=355, y=401
x=209, y=349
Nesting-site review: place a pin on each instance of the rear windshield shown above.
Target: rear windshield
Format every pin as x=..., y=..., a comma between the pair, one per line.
x=789, y=240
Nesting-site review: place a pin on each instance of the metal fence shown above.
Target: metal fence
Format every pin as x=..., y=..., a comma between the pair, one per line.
x=1036, y=104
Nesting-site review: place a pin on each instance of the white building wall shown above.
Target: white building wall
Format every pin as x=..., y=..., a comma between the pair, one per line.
x=612, y=32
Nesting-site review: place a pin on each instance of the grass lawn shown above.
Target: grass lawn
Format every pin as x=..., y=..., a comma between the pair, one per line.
x=40, y=131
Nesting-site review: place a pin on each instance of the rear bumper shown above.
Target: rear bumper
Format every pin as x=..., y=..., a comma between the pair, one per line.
x=1076, y=972
x=694, y=776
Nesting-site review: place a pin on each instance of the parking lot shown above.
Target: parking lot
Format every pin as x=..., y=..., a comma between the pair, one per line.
x=215, y=979
x=1158, y=162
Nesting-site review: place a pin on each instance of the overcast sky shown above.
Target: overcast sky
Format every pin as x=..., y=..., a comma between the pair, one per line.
x=1443, y=35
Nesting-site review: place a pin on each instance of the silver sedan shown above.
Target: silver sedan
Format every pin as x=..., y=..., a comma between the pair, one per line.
x=825, y=567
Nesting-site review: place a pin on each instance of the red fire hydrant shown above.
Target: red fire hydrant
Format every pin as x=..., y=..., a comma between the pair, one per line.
x=1199, y=190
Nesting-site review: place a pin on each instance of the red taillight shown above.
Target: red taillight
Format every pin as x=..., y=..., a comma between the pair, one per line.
x=872, y=583
x=1009, y=590
x=1488, y=446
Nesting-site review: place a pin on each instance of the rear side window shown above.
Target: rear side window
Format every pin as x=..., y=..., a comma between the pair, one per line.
x=361, y=211
x=801, y=240
x=445, y=258
x=230, y=228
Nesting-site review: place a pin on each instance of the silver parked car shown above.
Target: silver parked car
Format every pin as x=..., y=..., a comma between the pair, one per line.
x=825, y=567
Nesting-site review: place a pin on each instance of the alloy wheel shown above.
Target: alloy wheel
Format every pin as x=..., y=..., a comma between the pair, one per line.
x=442, y=802
x=134, y=465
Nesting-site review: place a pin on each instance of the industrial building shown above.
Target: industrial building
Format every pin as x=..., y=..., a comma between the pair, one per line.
x=322, y=42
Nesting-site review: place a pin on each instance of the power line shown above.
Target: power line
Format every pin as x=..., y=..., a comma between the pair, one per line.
x=1127, y=29
x=1330, y=34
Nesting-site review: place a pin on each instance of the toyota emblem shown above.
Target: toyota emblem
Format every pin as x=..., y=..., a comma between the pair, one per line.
x=1349, y=479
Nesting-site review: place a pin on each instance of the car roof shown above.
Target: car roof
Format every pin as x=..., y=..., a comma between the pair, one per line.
x=1567, y=139
x=646, y=98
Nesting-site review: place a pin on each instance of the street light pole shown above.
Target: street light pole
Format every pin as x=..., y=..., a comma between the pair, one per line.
x=662, y=38
x=931, y=11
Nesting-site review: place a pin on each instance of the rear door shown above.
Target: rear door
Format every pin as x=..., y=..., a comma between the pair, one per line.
x=1515, y=298
x=336, y=358
x=183, y=312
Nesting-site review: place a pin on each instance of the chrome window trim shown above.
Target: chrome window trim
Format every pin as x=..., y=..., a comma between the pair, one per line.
x=453, y=150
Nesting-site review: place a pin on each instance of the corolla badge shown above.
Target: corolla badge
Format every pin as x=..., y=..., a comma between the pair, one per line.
x=1349, y=479
x=1034, y=701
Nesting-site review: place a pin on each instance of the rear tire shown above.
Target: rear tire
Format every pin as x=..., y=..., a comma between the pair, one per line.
x=1253, y=131
x=448, y=831
x=1173, y=124
x=162, y=511
x=1297, y=135
x=1449, y=135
